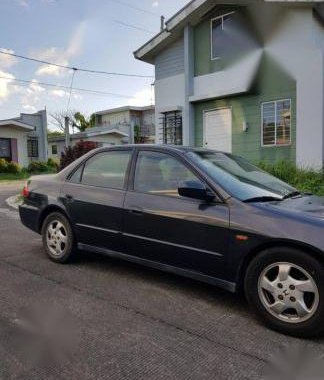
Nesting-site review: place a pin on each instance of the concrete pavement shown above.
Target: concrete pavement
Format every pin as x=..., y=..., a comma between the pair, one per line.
x=129, y=322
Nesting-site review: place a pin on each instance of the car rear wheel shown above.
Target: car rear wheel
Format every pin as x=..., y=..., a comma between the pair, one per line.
x=58, y=239
x=285, y=287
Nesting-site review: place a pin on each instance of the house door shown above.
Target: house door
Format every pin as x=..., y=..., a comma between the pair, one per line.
x=218, y=129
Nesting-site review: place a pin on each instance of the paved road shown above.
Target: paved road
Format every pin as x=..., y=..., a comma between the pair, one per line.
x=128, y=322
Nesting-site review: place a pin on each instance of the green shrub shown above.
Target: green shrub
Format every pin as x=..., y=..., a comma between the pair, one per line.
x=38, y=167
x=303, y=179
x=51, y=163
x=13, y=168
x=3, y=165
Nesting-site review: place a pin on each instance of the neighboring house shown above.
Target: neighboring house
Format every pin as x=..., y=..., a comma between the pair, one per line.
x=112, y=127
x=138, y=121
x=103, y=136
x=24, y=139
x=246, y=77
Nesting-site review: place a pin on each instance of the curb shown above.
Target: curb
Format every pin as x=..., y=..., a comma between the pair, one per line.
x=14, y=201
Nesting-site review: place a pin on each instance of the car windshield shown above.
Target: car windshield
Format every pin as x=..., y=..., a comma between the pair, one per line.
x=240, y=178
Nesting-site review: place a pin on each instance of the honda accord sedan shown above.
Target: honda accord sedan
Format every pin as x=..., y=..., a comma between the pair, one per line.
x=203, y=214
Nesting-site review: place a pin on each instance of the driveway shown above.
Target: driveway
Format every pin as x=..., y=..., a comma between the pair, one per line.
x=116, y=320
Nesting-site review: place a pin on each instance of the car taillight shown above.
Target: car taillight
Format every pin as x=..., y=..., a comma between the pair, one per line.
x=25, y=191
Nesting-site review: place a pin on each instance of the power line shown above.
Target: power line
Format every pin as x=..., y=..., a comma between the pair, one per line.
x=134, y=27
x=65, y=87
x=135, y=7
x=74, y=68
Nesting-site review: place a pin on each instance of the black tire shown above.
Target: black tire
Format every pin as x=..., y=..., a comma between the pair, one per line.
x=311, y=327
x=68, y=248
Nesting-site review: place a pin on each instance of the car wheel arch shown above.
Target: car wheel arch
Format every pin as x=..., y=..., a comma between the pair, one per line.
x=49, y=210
x=309, y=249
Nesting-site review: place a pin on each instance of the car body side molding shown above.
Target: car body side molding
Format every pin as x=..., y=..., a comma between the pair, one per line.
x=150, y=239
x=229, y=286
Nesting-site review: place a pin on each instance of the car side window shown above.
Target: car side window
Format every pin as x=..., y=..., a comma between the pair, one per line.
x=76, y=176
x=160, y=173
x=107, y=169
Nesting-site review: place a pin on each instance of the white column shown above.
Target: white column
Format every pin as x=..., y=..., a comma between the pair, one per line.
x=188, y=128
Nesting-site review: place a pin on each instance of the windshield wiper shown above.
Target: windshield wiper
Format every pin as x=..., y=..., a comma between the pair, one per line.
x=292, y=194
x=262, y=199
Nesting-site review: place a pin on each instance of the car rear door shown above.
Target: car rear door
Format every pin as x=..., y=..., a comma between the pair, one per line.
x=161, y=226
x=94, y=197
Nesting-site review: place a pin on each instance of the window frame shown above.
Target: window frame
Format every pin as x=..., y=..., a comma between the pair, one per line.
x=262, y=132
x=131, y=180
x=52, y=146
x=212, y=58
x=32, y=141
x=9, y=158
x=107, y=151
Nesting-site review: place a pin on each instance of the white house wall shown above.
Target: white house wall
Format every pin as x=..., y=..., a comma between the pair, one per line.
x=296, y=48
x=21, y=137
x=116, y=118
x=169, y=96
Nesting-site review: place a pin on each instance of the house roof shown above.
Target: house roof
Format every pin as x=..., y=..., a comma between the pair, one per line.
x=17, y=124
x=192, y=14
x=91, y=132
x=125, y=108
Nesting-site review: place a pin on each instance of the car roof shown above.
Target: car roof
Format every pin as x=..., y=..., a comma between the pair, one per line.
x=177, y=148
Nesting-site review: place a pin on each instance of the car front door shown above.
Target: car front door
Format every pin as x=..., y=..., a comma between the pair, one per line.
x=94, y=197
x=161, y=226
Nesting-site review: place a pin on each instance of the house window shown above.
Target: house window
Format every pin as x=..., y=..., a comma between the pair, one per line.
x=32, y=147
x=219, y=40
x=276, y=123
x=54, y=149
x=99, y=119
x=171, y=125
x=5, y=149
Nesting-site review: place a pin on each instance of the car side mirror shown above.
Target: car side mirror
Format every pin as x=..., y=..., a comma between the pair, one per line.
x=195, y=190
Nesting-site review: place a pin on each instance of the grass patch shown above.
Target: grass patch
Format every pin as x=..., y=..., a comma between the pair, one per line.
x=24, y=174
x=303, y=179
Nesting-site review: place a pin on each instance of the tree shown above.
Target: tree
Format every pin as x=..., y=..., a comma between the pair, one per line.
x=58, y=118
x=82, y=122
x=70, y=154
x=77, y=120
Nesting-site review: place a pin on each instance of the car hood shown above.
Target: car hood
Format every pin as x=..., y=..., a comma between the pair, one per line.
x=307, y=206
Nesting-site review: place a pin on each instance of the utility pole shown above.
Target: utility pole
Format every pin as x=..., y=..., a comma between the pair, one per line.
x=67, y=131
x=162, y=23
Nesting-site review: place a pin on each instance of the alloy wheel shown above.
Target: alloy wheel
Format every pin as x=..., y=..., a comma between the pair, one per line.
x=288, y=292
x=56, y=238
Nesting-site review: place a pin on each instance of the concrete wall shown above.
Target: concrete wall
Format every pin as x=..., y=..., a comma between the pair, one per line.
x=39, y=121
x=21, y=136
x=169, y=96
x=103, y=140
x=296, y=47
x=116, y=118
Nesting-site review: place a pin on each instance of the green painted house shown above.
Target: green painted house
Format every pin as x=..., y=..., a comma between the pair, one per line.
x=244, y=77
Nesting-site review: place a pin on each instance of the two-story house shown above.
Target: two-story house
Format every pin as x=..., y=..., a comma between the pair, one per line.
x=243, y=77
x=113, y=126
x=135, y=121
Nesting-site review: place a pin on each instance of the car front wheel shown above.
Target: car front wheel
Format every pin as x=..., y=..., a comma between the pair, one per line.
x=58, y=239
x=285, y=287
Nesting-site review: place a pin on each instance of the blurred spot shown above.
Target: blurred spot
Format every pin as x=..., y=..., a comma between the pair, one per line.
x=45, y=335
x=295, y=362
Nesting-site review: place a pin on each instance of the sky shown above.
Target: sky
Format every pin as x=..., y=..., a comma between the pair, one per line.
x=80, y=33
